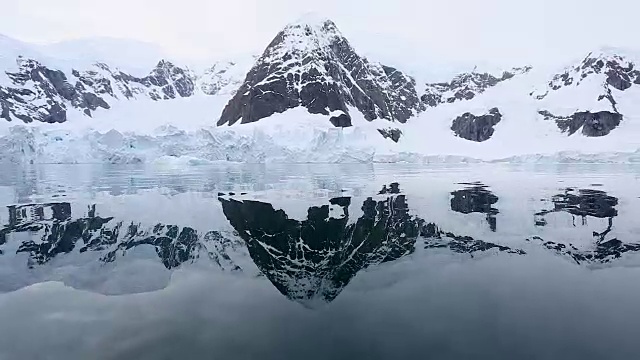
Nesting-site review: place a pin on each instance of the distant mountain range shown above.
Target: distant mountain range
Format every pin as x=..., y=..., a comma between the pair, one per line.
x=311, y=65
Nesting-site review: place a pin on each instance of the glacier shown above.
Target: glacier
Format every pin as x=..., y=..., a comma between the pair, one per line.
x=181, y=131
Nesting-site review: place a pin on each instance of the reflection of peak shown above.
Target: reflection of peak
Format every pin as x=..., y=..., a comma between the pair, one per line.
x=314, y=259
x=602, y=253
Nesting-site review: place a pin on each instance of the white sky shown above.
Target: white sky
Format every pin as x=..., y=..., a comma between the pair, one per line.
x=509, y=32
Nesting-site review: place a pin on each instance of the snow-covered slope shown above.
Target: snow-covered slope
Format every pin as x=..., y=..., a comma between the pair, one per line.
x=594, y=96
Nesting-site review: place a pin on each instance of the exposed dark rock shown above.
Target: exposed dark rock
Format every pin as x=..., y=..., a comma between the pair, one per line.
x=40, y=93
x=476, y=127
x=393, y=134
x=592, y=124
x=314, y=66
x=342, y=120
x=48, y=100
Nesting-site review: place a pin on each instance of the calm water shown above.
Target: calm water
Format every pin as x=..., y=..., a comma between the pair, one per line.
x=320, y=262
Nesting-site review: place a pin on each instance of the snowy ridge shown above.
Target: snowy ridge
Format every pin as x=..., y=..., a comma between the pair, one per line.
x=465, y=86
x=224, y=77
x=595, y=96
x=596, y=83
x=42, y=88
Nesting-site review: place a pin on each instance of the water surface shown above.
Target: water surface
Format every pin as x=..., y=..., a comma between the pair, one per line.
x=320, y=261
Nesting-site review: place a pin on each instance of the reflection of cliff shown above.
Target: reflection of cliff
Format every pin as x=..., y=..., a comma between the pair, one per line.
x=585, y=203
x=53, y=232
x=476, y=199
x=310, y=259
x=318, y=256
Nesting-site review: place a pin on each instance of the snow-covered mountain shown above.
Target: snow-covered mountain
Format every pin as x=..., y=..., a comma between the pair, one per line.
x=311, y=64
x=594, y=96
x=35, y=87
x=312, y=97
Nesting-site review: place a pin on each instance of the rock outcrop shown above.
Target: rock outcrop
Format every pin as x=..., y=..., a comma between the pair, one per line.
x=476, y=128
x=391, y=133
x=616, y=70
x=596, y=124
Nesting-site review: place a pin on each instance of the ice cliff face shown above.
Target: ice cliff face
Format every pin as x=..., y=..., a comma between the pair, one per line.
x=311, y=64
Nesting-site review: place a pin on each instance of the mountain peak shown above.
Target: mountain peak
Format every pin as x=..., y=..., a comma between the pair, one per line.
x=612, y=52
x=313, y=20
x=310, y=64
x=304, y=36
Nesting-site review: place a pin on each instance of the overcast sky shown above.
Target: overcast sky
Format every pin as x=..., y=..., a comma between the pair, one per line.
x=485, y=31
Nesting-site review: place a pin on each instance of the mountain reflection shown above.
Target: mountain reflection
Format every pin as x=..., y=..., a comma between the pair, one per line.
x=308, y=260
x=53, y=232
x=317, y=257
x=585, y=203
